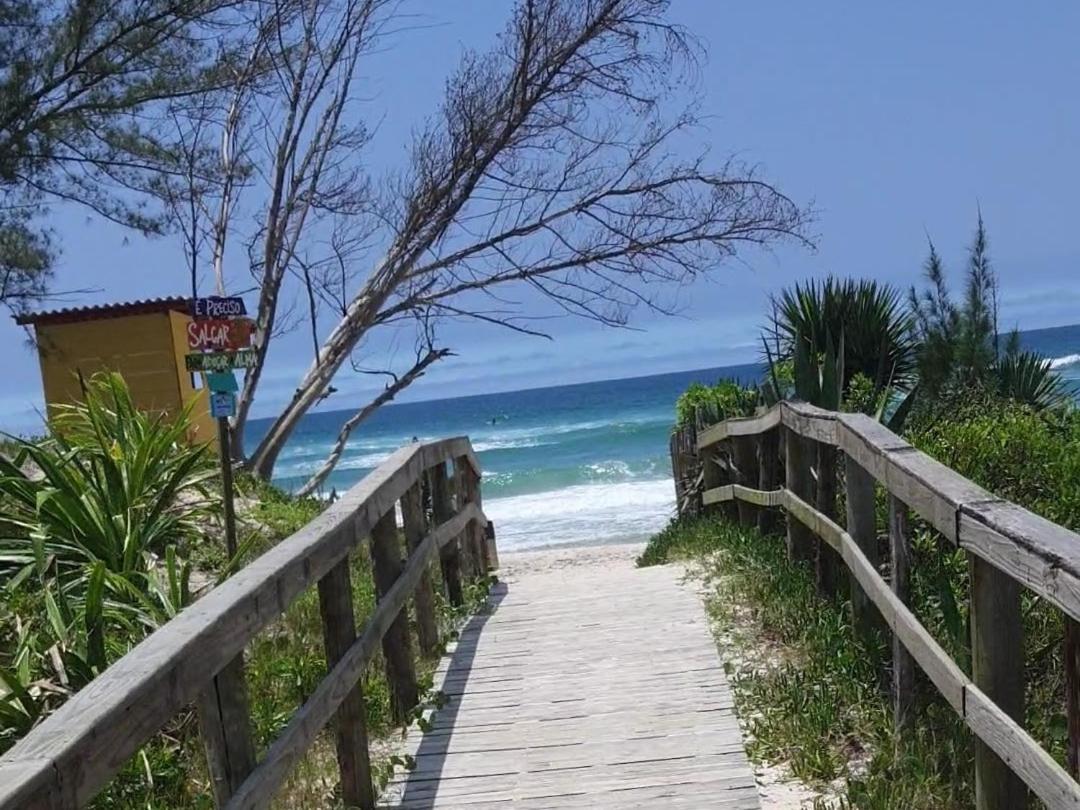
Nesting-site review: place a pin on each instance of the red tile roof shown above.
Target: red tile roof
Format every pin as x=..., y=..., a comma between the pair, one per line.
x=98, y=312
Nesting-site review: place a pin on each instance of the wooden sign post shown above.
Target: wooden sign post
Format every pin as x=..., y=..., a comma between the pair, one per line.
x=220, y=339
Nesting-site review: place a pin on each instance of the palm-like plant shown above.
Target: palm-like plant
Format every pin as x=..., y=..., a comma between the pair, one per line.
x=116, y=486
x=89, y=524
x=1029, y=379
x=858, y=329
x=871, y=316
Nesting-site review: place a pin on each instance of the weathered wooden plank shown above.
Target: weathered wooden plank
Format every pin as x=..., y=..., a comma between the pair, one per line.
x=1011, y=744
x=903, y=685
x=473, y=538
x=800, y=541
x=397, y=641
x=868, y=442
x=718, y=494
x=442, y=508
x=317, y=711
x=225, y=729
x=491, y=547
x=997, y=669
x=350, y=721
x=861, y=525
x=769, y=477
x=414, y=524
x=931, y=489
x=96, y=732
x=1071, y=652
x=826, y=563
x=931, y=658
x=746, y=473
x=748, y=426
x=809, y=421
x=1039, y=554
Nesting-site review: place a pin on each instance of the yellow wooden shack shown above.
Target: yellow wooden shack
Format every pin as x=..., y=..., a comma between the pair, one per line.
x=145, y=341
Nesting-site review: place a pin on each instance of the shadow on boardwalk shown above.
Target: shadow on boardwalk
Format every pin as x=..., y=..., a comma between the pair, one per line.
x=420, y=789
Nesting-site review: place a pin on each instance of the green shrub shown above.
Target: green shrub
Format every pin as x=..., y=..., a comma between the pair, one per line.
x=88, y=557
x=709, y=404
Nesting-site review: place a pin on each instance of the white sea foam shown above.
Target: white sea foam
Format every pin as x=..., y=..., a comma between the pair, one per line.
x=1065, y=361
x=584, y=514
x=504, y=443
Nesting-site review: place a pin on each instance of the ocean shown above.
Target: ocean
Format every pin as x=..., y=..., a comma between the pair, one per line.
x=566, y=465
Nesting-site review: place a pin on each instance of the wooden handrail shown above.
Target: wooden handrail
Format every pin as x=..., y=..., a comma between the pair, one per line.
x=1008, y=544
x=1041, y=555
x=66, y=760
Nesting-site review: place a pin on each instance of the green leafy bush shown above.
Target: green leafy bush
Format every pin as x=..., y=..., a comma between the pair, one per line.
x=90, y=522
x=708, y=404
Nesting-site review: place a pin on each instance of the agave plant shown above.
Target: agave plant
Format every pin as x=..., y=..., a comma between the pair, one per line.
x=1029, y=379
x=872, y=317
x=116, y=486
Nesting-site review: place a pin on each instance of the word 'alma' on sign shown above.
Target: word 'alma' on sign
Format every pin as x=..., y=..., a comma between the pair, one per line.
x=218, y=307
x=220, y=334
x=219, y=361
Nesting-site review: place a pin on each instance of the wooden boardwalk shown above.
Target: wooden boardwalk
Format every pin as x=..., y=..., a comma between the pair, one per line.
x=589, y=687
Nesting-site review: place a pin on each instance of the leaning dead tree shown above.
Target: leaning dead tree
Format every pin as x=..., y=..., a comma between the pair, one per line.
x=550, y=168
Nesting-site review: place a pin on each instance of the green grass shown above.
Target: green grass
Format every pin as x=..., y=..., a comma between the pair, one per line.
x=818, y=704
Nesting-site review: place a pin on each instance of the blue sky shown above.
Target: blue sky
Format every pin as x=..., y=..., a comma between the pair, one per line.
x=894, y=120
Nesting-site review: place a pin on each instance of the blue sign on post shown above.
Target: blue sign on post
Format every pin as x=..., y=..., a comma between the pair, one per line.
x=222, y=405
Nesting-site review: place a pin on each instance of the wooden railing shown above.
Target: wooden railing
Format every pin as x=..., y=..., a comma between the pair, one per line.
x=197, y=658
x=1008, y=547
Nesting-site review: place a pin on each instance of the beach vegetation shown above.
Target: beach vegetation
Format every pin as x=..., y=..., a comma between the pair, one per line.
x=960, y=344
x=702, y=404
x=109, y=525
x=92, y=96
x=869, y=318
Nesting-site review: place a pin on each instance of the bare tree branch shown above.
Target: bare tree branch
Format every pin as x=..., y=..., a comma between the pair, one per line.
x=400, y=383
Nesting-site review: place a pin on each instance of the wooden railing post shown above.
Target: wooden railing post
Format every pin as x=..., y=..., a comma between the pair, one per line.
x=397, y=643
x=800, y=541
x=470, y=568
x=827, y=562
x=225, y=728
x=474, y=534
x=450, y=557
x=903, y=686
x=415, y=526
x=1072, y=693
x=350, y=720
x=862, y=526
x=769, y=478
x=744, y=450
x=997, y=668
x=491, y=547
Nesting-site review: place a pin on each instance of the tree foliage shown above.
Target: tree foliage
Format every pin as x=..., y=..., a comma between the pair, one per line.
x=959, y=343
x=85, y=89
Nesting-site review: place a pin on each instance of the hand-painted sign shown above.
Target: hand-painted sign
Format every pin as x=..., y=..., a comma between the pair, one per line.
x=218, y=307
x=220, y=361
x=220, y=335
x=222, y=405
x=222, y=382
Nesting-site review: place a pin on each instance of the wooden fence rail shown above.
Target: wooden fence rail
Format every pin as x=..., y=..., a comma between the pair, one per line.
x=197, y=658
x=1008, y=547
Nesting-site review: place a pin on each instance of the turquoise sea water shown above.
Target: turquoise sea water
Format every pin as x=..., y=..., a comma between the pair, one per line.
x=576, y=464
